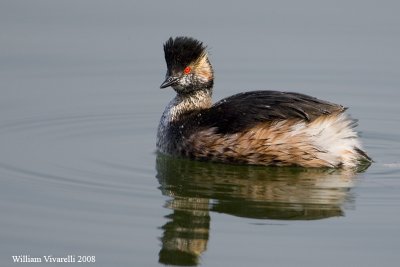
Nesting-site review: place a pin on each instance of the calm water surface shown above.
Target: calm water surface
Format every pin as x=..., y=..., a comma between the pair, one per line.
x=79, y=107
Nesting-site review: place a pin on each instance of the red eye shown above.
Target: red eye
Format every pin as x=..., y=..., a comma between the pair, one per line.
x=187, y=70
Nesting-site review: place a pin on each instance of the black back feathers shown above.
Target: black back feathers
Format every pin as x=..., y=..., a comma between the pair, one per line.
x=182, y=51
x=242, y=111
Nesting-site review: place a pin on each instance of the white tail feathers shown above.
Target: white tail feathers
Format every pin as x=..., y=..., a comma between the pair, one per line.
x=336, y=138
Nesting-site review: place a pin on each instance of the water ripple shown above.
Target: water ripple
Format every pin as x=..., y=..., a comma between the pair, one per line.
x=87, y=150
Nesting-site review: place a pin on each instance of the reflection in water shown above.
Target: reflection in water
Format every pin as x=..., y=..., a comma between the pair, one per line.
x=257, y=192
x=186, y=233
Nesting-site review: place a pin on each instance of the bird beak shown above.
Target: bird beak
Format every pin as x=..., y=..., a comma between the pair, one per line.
x=170, y=80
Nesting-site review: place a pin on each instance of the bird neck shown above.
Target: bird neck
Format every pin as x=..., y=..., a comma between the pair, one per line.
x=188, y=102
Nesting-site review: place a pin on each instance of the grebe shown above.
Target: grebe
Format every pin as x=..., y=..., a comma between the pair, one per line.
x=258, y=127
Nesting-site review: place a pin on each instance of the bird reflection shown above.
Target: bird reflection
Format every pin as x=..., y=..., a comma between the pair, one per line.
x=196, y=188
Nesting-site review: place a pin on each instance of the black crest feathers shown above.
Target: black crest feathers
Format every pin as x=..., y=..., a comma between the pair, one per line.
x=182, y=51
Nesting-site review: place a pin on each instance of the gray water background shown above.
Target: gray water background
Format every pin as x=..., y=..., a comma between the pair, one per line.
x=79, y=107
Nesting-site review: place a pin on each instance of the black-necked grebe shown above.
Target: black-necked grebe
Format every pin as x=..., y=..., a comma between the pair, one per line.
x=258, y=127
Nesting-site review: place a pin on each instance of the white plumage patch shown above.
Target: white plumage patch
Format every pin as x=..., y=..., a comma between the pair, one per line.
x=334, y=136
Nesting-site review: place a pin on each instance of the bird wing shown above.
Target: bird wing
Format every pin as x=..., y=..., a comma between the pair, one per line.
x=244, y=110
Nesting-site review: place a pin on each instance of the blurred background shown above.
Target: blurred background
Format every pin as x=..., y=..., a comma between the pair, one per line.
x=79, y=107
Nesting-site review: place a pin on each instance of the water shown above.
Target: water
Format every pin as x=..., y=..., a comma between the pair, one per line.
x=79, y=108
